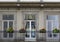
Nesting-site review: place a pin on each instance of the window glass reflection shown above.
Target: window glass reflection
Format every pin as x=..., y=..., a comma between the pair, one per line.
x=33, y=34
x=8, y=17
x=5, y=28
x=27, y=25
x=29, y=17
x=52, y=17
x=10, y=26
x=28, y=34
x=32, y=24
x=49, y=34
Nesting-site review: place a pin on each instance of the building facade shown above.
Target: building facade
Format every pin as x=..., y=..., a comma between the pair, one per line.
x=32, y=17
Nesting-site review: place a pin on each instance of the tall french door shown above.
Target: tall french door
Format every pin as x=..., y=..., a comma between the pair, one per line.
x=51, y=24
x=6, y=25
x=30, y=30
x=30, y=26
x=7, y=22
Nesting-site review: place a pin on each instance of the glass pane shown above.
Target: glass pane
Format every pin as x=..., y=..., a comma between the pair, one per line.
x=49, y=29
x=10, y=35
x=51, y=17
x=33, y=34
x=28, y=34
x=10, y=26
x=49, y=34
x=49, y=25
x=55, y=35
x=33, y=25
x=5, y=28
x=29, y=17
x=27, y=25
x=55, y=24
x=8, y=17
x=26, y=17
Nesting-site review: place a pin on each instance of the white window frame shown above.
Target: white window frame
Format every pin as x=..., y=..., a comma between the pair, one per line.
x=8, y=27
x=52, y=28
x=30, y=29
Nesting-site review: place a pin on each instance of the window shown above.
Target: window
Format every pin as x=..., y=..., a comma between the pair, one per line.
x=29, y=17
x=33, y=34
x=11, y=25
x=8, y=17
x=27, y=25
x=52, y=23
x=30, y=25
x=8, y=21
x=7, y=24
x=33, y=25
x=52, y=17
x=5, y=27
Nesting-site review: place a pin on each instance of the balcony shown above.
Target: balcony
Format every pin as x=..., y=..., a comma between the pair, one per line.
x=17, y=37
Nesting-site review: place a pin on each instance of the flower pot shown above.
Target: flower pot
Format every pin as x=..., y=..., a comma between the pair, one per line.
x=56, y=30
x=10, y=30
x=22, y=30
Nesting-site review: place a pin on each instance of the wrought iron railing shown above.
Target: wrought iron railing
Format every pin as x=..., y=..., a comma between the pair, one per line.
x=39, y=36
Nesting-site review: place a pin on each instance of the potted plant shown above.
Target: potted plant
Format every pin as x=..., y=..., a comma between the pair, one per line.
x=55, y=31
x=22, y=33
x=22, y=30
x=42, y=33
x=10, y=30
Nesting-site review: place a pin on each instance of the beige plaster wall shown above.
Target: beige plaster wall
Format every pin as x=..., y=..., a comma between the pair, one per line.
x=40, y=21
x=19, y=20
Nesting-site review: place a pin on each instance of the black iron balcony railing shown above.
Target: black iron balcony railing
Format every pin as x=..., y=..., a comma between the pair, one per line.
x=39, y=36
